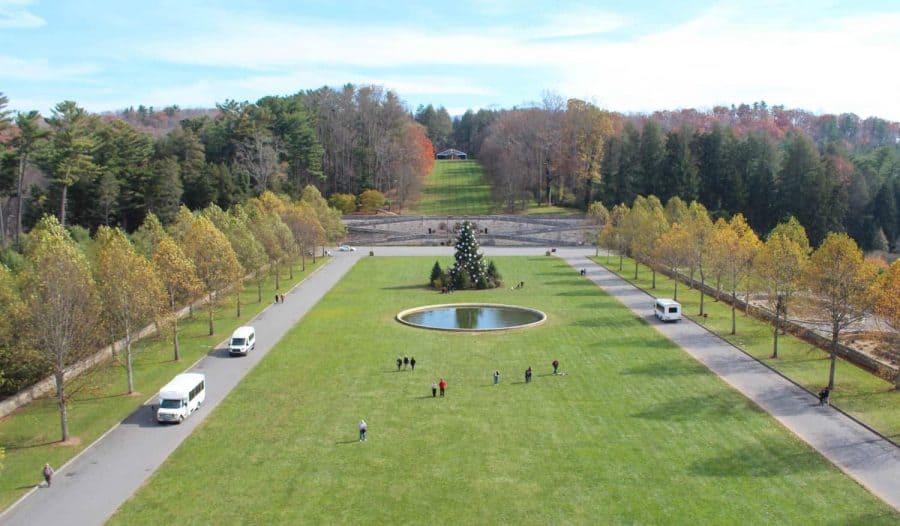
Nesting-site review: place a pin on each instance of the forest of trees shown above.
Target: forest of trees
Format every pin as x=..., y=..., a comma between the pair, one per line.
x=753, y=160
x=114, y=169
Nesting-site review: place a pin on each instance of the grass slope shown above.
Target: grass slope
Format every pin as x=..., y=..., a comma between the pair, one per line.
x=857, y=392
x=99, y=400
x=634, y=432
x=455, y=188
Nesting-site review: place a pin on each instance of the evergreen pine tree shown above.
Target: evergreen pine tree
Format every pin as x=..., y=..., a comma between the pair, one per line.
x=469, y=270
x=437, y=275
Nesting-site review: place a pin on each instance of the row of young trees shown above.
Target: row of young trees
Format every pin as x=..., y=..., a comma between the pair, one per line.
x=833, y=284
x=92, y=170
x=69, y=297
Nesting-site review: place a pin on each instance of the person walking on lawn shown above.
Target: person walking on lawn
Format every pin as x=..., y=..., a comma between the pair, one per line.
x=443, y=386
x=433, y=389
x=363, y=427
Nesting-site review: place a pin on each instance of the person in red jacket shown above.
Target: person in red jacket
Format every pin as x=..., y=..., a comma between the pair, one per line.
x=442, y=385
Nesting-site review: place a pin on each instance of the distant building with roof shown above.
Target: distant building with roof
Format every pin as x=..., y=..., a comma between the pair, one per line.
x=452, y=153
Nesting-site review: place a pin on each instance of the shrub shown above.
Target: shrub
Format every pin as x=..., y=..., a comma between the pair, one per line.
x=371, y=200
x=346, y=203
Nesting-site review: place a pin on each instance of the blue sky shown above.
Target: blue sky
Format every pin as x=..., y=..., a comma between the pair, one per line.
x=822, y=56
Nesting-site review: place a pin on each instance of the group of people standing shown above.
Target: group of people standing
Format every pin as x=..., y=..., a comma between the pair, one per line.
x=406, y=361
x=279, y=298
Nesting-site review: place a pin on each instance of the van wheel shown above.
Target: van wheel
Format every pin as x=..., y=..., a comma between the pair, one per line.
x=180, y=419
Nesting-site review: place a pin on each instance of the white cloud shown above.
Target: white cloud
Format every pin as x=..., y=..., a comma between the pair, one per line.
x=42, y=70
x=717, y=59
x=14, y=15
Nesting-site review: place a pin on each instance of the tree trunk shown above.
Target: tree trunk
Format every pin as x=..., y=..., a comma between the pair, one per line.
x=733, y=312
x=2, y=227
x=675, y=297
x=653, y=273
x=61, y=398
x=277, y=276
x=258, y=287
x=128, y=364
x=175, y=338
x=211, y=300
x=834, y=343
x=775, y=342
x=291, y=269
x=238, y=305
x=635, y=270
x=19, y=197
x=62, y=205
x=621, y=256
x=702, y=288
x=302, y=259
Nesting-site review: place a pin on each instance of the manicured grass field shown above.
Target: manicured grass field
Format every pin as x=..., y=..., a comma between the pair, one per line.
x=455, y=188
x=635, y=431
x=99, y=400
x=857, y=392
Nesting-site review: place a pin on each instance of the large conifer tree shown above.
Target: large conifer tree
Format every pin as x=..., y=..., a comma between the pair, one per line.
x=470, y=270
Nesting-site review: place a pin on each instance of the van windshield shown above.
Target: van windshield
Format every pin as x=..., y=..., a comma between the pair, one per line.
x=237, y=342
x=170, y=404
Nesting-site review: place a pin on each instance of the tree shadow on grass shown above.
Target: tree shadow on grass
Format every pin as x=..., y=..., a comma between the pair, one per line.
x=576, y=293
x=666, y=368
x=10, y=447
x=701, y=407
x=411, y=287
x=567, y=283
x=758, y=460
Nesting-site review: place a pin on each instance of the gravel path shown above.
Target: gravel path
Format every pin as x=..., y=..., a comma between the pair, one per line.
x=89, y=488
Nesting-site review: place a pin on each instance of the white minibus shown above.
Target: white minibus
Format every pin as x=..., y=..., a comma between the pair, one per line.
x=181, y=397
x=667, y=309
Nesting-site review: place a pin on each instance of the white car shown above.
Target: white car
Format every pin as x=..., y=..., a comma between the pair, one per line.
x=347, y=248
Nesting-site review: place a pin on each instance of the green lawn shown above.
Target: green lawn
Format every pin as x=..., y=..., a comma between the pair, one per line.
x=634, y=432
x=858, y=392
x=537, y=209
x=455, y=188
x=99, y=400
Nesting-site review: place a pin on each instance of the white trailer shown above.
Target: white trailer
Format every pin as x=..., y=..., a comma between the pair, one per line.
x=181, y=397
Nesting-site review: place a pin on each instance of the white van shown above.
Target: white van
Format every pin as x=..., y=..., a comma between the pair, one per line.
x=242, y=341
x=667, y=310
x=181, y=397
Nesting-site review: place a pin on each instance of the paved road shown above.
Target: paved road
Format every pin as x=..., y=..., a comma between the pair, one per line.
x=858, y=452
x=92, y=486
x=88, y=489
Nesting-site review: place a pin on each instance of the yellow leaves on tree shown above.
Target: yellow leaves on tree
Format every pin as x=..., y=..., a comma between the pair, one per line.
x=887, y=295
x=61, y=303
x=216, y=263
x=179, y=279
x=131, y=293
x=840, y=280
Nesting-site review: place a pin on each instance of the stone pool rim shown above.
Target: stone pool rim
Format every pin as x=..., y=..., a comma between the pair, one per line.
x=401, y=314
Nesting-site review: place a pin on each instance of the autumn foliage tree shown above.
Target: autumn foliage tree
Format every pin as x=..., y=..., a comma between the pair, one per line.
x=887, y=296
x=179, y=278
x=216, y=263
x=61, y=304
x=840, y=280
x=779, y=268
x=733, y=248
x=130, y=291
